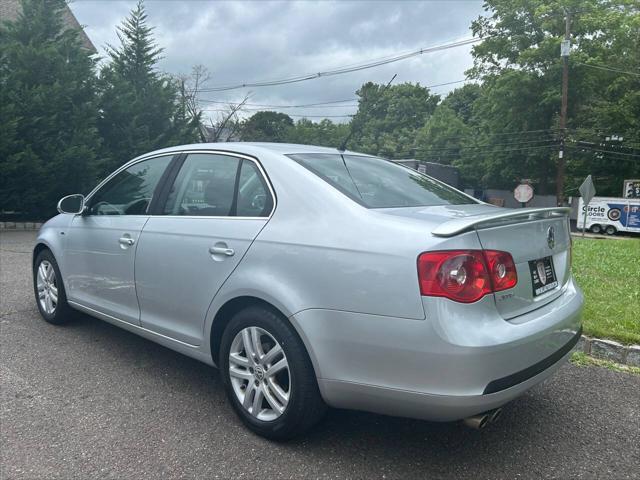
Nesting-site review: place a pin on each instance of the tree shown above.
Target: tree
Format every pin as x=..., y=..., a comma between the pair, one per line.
x=522, y=42
x=141, y=109
x=324, y=133
x=267, y=127
x=388, y=118
x=443, y=137
x=48, y=111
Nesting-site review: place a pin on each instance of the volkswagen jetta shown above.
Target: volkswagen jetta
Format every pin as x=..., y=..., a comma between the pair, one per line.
x=315, y=277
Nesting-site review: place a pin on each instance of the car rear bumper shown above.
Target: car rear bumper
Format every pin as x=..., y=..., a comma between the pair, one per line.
x=460, y=360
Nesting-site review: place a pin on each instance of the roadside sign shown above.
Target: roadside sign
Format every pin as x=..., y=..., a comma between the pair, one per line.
x=523, y=193
x=587, y=192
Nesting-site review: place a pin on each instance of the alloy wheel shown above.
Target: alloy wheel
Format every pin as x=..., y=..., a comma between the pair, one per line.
x=259, y=373
x=47, y=287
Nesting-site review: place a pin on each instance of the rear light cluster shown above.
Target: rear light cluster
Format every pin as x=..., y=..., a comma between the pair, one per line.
x=465, y=275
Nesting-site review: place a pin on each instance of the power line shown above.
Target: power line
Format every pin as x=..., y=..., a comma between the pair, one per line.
x=289, y=114
x=584, y=147
x=343, y=70
x=610, y=69
x=329, y=104
x=498, y=151
x=483, y=147
x=307, y=105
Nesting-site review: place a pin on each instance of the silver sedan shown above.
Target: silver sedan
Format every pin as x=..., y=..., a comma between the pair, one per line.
x=315, y=277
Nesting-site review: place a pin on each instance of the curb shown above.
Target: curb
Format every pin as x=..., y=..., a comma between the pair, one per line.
x=609, y=350
x=20, y=225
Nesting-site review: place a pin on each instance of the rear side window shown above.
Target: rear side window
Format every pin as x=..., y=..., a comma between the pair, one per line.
x=215, y=185
x=377, y=183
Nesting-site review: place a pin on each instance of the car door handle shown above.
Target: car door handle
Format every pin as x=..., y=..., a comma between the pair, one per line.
x=229, y=252
x=126, y=241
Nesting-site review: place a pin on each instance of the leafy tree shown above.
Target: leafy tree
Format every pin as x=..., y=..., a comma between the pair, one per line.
x=141, y=109
x=267, y=127
x=443, y=137
x=48, y=111
x=519, y=59
x=388, y=118
x=324, y=133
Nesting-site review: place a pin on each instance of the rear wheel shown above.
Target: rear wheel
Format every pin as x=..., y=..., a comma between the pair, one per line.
x=596, y=228
x=610, y=230
x=268, y=375
x=49, y=290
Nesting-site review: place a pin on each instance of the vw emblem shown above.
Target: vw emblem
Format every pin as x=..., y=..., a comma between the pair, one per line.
x=551, y=237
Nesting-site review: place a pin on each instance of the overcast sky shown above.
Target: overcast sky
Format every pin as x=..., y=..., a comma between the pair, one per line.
x=242, y=42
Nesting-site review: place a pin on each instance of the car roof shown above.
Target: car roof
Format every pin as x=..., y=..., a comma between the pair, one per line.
x=251, y=148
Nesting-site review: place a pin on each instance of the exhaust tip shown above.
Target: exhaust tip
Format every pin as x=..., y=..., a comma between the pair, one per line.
x=495, y=415
x=478, y=422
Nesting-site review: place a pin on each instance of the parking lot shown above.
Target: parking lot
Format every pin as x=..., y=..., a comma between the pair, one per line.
x=89, y=400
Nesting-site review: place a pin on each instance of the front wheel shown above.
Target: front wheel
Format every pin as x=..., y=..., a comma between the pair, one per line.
x=268, y=375
x=610, y=230
x=49, y=291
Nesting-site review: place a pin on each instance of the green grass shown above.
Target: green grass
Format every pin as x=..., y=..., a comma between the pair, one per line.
x=608, y=271
x=583, y=360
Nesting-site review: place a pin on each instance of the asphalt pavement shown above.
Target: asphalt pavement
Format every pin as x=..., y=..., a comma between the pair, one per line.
x=89, y=400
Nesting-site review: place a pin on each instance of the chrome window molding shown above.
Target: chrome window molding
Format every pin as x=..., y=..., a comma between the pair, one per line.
x=227, y=153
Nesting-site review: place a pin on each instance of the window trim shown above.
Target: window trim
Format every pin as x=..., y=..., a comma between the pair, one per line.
x=162, y=199
x=129, y=164
x=161, y=193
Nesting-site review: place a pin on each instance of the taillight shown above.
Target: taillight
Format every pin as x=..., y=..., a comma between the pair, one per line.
x=465, y=275
x=501, y=268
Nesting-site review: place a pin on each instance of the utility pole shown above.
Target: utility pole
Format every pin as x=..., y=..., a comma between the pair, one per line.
x=564, y=53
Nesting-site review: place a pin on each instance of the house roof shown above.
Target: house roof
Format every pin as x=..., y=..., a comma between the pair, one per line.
x=10, y=9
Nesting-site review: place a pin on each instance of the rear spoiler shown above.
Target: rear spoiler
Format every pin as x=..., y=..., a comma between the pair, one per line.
x=459, y=225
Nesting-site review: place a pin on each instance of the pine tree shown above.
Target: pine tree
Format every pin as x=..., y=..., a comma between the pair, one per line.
x=48, y=138
x=140, y=107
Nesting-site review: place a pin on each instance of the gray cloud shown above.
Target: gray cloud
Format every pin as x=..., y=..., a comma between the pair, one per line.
x=252, y=41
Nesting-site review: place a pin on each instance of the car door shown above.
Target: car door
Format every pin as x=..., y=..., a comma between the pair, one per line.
x=216, y=206
x=101, y=243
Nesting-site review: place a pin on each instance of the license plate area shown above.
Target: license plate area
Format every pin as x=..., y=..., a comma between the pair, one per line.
x=543, y=275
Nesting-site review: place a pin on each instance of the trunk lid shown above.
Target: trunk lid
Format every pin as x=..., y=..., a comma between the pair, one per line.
x=541, y=258
x=541, y=251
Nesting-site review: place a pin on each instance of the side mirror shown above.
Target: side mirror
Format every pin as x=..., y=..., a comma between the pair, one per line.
x=71, y=204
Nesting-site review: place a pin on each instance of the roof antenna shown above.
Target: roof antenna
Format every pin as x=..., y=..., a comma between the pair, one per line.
x=352, y=127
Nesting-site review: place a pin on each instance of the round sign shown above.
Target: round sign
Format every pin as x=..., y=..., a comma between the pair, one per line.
x=523, y=193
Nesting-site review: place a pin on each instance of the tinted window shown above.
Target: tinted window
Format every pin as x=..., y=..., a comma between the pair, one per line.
x=130, y=191
x=204, y=186
x=254, y=199
x=377, y=183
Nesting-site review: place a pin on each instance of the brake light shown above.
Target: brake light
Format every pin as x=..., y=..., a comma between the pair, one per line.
x=465, y=275
x=501, y=268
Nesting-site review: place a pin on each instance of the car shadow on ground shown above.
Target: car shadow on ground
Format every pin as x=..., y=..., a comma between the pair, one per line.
x=345, y=426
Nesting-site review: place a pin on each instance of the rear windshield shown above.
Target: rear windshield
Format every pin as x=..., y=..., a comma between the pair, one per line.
x=377, y=183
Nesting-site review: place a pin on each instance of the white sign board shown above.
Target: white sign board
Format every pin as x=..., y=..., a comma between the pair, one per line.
x=523, y=193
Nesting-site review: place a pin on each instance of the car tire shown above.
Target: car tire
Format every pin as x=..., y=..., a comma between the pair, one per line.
x=610, y=230
x=596, y=228
x=49, y=292
x=297, y=382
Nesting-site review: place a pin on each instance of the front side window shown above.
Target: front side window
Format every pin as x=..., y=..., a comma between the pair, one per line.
x=219, y=186
x=377, y=183
x=131, y=190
